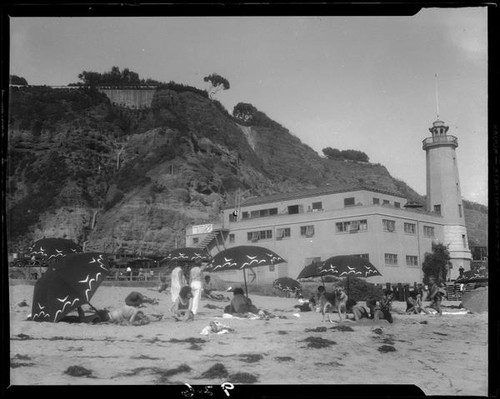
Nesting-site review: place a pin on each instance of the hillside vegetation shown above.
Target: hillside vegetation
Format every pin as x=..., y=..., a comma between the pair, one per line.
x=110, y=177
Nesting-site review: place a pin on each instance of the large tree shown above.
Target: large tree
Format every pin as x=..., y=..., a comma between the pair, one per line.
x=244, y=112
x=17, y=80
x=216, y=84
x=437, y=263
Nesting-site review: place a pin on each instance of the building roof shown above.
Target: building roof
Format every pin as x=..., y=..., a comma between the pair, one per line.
x=329, y=189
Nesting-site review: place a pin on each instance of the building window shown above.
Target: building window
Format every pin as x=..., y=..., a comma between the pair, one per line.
x=317, y=206
x=410, y=228
x=376, y=201
x=259, y=235
x=352, y=226
x=397, y=205
x=293, y=209
x=389, y=225
x=437, y=209
x=271, y=268
x=391, y=259
x=195, y=240
x=233, y=217
x=411, y=260
x=254, y=214
x=307, y=231
x=244, y=215
x=231, y=237
x=464, y=241
x=282, y=233
x=386, y=202
x=428, y=231
x=273, y=211
x=459, y=210
x=349, y=201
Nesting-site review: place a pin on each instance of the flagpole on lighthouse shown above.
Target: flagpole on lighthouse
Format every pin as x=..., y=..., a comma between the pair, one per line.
x=437, y=95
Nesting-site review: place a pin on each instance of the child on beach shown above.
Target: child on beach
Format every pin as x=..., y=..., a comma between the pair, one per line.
x=182, y=305
x=359, y=311
x=125, y=315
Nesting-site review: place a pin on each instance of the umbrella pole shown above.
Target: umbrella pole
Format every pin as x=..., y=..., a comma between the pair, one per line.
x=322, y=281
x=245, y=278
x=348, y=286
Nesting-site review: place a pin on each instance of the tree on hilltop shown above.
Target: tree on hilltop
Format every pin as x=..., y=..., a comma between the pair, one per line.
x=217, y=83
x=353, y=155
x=244, y=112
x=115, y=77
x=17, y=80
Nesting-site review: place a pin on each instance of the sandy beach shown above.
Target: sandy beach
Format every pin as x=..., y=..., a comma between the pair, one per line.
x=445, y=355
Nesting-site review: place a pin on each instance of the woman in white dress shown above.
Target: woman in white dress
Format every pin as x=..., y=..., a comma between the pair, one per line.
x=178, y=280
x=195, y=278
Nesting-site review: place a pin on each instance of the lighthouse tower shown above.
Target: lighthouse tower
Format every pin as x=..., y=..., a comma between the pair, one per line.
x=443, y=193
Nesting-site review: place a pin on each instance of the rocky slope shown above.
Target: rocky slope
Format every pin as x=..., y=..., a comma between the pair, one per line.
x=110, y=177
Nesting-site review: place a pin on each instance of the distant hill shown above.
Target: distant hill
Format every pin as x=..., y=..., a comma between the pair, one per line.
x=111, y=177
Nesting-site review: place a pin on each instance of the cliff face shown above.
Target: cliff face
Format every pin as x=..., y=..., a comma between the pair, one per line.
x=110, y=177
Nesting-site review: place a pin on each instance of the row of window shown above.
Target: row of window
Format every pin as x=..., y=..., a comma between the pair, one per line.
x=342, y=227
x=294, y=209
x=392, y=260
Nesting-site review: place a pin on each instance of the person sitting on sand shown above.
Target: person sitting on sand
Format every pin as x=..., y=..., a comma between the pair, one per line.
x=240, y=303
x=360, y=312
x=414, y=303
x=137, y=299
x=306, y=305
x=207, y=291
x=385, y=305
x=182, y=305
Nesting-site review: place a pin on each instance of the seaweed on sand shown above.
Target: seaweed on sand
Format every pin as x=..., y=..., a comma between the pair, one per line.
x=195, y=347
x=163, y=374
x=281, y=332
x=251, y=357
x=378, y=331
x=218, y=370
x=386, y=348
x=317, y=329
x=284, y=359
x=145, y=357
x=388, y=341
x=332, y=363
x=342, y=328
x=243, y=378
x=79, y=371
x=318, y=342
x=190, y=340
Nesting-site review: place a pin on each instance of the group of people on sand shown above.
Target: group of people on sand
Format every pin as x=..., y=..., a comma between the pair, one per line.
x=381, y=308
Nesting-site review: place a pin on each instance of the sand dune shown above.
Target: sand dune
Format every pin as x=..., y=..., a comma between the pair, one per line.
x=441, y=355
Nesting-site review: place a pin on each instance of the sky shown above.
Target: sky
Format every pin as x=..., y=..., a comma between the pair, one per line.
x=372, y=84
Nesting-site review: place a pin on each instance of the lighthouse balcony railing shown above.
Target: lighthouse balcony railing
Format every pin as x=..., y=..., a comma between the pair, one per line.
x=445, y=139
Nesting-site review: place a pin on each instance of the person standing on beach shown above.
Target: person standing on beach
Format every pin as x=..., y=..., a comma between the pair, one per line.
x=177, y=282
x=196, y=283
x=436, y=295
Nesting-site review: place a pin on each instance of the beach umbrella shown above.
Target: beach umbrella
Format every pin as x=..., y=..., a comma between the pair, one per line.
x=67, y=284
x=311, y=270
x=348, y=265
x=476, y=300
x=473, y=277
x=243, y=257
x=51, y=249
x=287, y=284
x=341, y=266
x=188, y=254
